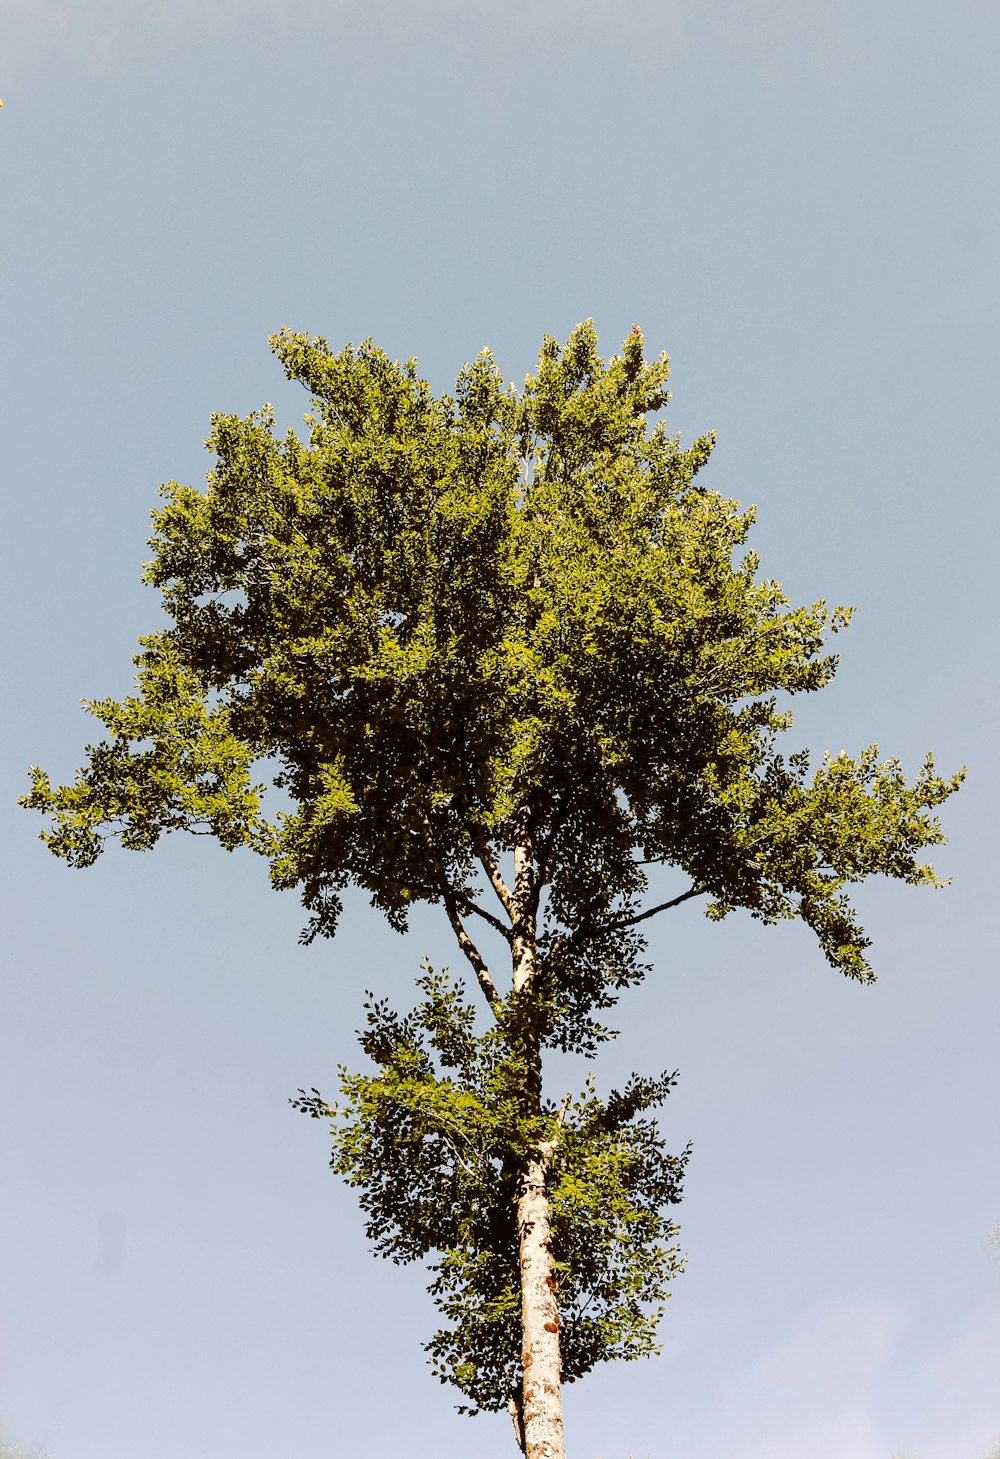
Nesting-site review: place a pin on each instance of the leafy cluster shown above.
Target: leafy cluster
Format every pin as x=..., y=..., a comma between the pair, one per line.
x=433, y=1141
x=172, y=762
x=452, y=622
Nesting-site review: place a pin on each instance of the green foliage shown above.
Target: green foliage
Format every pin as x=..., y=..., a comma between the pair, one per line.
x=433, y=1141
x=446, y=619
x=172, y=763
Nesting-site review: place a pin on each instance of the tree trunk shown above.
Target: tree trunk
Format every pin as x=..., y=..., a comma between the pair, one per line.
x=540, y=1364
x=541, y=1424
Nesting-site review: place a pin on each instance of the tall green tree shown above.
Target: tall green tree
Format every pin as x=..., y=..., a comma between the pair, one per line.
x=503, y=653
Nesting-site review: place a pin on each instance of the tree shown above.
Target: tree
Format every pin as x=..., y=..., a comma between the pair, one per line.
x=503, y=655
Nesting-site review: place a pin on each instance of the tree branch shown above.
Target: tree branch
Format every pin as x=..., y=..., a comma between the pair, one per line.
x=430, y=890
x=497, y=882
x=515, y=1409
x=548, y=1147
x=652, y=911
x=584, y=934
x=482, y=850
x=473, y=955
x=471, y=906
x=447, y=893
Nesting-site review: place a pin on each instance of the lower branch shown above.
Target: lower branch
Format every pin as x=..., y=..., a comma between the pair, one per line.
x=451, y=906
x=515, y=1407
x=472, y=954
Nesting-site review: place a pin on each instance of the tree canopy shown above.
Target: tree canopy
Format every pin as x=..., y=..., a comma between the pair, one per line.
x=500, y=651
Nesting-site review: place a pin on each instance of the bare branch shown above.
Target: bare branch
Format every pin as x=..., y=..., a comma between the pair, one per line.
x=431, y=890
x=471, y=906
x=652, y=911
x=492, y=870
x=547, y=1148
x=451, y=905
x=517, y=1419
x=584, y=934
x=472, y=953
x=481, y=848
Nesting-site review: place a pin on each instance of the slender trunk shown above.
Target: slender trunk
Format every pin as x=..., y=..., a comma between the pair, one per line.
x=540, y=1363
x=539, y=1419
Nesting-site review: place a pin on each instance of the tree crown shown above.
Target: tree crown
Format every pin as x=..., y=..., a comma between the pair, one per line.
x=456, y=624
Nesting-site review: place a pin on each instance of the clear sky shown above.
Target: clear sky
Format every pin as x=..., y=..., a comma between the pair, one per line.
x=797, y=200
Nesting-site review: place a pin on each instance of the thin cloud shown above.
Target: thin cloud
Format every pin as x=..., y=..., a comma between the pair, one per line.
x=825, y=1390
x=107, y=33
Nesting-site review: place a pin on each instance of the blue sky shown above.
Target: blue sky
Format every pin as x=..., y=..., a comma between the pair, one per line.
x=797, y=201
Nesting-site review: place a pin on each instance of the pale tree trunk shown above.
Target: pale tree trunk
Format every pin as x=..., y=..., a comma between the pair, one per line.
x=541, y=1406
x=538, y=1418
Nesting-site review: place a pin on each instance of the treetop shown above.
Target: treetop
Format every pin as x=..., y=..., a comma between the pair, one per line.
x=452, y=626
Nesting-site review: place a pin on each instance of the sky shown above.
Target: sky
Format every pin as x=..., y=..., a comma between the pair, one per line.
x=797, y=202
